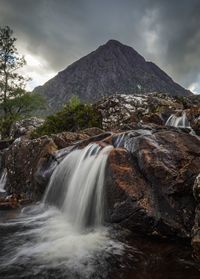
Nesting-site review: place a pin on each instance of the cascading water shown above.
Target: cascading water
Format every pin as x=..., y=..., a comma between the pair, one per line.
x=64, y=236
x=3, y=180
x=178, y=121
x=76, y=186
x=50, y=240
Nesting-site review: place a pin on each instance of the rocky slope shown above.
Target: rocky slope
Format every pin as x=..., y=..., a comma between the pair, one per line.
x=112, y=68
x=125, y=112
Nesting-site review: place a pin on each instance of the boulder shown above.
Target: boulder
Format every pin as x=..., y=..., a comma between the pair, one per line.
x=25, y=127
x=150, y=189
x=21, y=162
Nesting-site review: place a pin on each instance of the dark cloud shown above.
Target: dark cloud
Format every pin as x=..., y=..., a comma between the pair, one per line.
x=61, y=31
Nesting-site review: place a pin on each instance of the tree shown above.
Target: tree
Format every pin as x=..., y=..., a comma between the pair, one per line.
x=15, y=102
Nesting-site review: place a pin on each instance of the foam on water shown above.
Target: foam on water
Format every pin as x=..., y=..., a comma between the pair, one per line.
x=50, y=242
x=65, y=233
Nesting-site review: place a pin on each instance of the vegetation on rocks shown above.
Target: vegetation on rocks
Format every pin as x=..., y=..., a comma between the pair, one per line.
x=74, y=116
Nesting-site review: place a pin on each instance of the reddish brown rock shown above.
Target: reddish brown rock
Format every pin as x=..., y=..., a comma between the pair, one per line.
x=30, y=163
x=65, y=139
x=21, y=161
x=153, y=118
x=128, y=194
x=151, y=190
x=196, y=228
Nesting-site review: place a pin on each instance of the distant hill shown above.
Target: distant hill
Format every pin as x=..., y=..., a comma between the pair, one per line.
x=112, y=68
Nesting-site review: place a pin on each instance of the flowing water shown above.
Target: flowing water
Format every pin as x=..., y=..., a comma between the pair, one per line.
x=76, y=186
x=3, y=180
x=65, y=236
x=178, y=121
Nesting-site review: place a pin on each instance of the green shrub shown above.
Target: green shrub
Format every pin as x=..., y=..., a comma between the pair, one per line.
x=74, y=116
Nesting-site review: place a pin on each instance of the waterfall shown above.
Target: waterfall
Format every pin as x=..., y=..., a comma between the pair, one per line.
x=178, y=121
x=3, y=180
x=64, y=236
x=76, y=186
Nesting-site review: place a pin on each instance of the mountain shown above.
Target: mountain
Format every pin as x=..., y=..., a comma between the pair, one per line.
x=112, y=68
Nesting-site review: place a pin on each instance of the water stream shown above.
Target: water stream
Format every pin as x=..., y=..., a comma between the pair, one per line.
x=3, y=180
x=180, y=122
x=65, y=235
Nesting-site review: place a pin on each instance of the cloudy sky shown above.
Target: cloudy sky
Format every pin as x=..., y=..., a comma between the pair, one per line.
x=54, y=33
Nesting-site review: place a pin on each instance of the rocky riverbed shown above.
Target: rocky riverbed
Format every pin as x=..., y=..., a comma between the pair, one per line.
x=151, y=183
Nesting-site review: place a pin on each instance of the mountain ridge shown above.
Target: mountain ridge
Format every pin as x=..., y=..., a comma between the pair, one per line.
x=111, y=68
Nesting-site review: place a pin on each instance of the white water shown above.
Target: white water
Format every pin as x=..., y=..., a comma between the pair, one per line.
x=48, y=242
x=76, y=186
x=3, y=180
x=178, y=121
x=66, y=232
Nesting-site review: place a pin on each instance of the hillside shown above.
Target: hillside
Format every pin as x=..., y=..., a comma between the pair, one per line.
x=112, y=68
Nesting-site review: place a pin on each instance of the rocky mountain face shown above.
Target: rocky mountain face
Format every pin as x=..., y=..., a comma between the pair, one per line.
x=112, y=68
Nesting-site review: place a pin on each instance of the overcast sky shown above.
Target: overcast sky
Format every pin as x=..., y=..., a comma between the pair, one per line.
x=54, y=33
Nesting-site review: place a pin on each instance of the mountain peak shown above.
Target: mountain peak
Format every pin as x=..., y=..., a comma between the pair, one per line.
x=112, y=68
x=113, y=42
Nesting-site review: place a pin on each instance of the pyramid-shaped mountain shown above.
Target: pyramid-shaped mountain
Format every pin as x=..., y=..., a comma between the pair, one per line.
x=112, y=68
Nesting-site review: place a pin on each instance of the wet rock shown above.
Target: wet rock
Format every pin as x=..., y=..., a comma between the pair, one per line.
x=196, y=228
x=21, y=161
x=127, y=193
x=151, y=189
x=30, y=163
x=65, y=139
x=13, y=202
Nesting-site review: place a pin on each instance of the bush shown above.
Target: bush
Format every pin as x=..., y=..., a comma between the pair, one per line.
x=74, y=116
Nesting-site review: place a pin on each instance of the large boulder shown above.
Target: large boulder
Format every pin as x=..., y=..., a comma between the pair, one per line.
x=21, y=162
x=150, y=188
